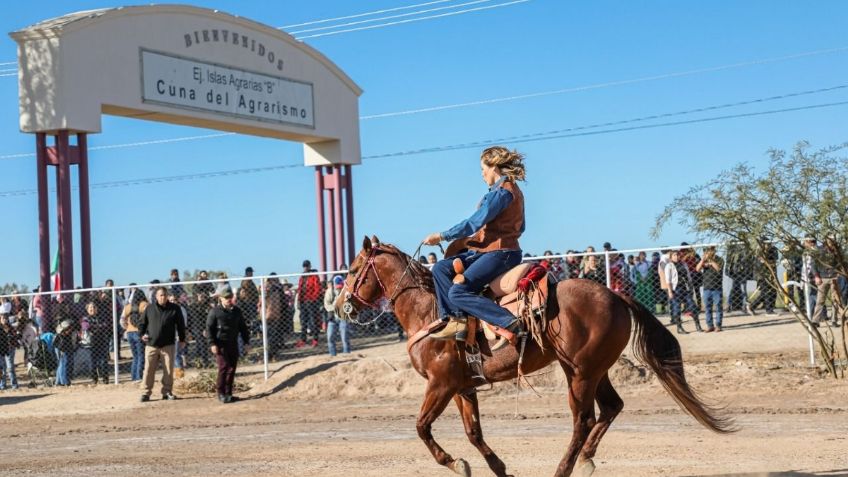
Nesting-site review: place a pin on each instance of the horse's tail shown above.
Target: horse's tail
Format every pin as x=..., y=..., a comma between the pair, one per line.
x=657, y=348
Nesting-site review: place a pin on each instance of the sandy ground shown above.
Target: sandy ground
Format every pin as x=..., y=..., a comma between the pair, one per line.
x=354, y=415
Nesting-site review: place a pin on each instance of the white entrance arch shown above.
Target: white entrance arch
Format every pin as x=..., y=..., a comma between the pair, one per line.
x=183, y=65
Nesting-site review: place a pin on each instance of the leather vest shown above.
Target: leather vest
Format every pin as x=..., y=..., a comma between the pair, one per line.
x=503, y=231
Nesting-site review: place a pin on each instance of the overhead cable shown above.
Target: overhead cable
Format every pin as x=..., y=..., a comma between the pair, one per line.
x=591, y=126
x=534, y=138
x=134, y=144
x=157, y=180
x=359, y=15
x=606, y=84
x=511, y=139
x=399, y=15
x=410, y=20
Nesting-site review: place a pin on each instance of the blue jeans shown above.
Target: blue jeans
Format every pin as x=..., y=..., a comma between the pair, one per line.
x=62, y=378
x=9, y=362
x=332, y=324
x=180, y=356
x=137, y=349
x=713, y=297
x=685, y=296
x=464, y=299
x=310, y=319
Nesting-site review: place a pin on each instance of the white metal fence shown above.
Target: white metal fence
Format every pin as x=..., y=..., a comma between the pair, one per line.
x=87, y=334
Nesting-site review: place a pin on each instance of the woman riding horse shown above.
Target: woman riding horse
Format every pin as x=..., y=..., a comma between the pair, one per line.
x=493, y=249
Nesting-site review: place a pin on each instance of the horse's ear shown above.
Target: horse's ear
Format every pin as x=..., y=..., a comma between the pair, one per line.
x=374, y=240
x=366, y=244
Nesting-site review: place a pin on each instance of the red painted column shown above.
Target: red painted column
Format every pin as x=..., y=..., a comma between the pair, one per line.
x=331, y=198
x=322, y=238
x=337, y=216
x=351, y=244
x=43, y=218
x=63, y=182
x=85, y=211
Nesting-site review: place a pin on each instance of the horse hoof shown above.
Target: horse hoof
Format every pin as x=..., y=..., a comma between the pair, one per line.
x=587, y=468
x=460, y=467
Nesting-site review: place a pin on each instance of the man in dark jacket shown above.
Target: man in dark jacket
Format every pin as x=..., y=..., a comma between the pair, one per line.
x=224, y=324
x=160, y=326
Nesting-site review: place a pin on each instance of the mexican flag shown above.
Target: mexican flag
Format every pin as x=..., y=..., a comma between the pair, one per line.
x=55, y=276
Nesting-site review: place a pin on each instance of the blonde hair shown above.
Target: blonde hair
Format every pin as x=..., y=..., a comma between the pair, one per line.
x=510, y=163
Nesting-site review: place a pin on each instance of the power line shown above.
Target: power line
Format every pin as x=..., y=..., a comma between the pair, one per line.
x=410, y=20
x=512, y=139
x=607, y=84
x=592, y=126
x=359, y=15
x=400, y=15
x=525, y=138
x=158, y=180
x=652, y=117
x=133, y=144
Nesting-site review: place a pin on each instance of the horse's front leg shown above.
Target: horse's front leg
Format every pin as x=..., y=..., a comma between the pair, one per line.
x=436, y=398
x=470, y=411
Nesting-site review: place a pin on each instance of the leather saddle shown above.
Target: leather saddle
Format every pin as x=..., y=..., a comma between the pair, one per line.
x=523, y=290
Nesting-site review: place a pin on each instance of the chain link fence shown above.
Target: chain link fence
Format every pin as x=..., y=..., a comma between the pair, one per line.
x=91, y=335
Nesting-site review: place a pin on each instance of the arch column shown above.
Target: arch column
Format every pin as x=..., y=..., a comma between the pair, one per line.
x=334, y=187
x=63, y=155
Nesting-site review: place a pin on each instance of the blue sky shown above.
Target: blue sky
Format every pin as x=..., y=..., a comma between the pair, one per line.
x=580, y=190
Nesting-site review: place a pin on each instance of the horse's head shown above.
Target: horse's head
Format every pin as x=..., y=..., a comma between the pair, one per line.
x=364, y=285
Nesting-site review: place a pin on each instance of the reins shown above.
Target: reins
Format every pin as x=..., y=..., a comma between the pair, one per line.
x=347, y=308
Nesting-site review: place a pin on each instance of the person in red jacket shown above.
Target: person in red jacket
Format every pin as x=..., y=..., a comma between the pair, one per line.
x=309, y=298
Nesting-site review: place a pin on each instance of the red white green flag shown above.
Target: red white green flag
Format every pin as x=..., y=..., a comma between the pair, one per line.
x=55, y=276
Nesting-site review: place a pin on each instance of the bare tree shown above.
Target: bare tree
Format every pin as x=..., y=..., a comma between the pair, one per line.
x=800, y=195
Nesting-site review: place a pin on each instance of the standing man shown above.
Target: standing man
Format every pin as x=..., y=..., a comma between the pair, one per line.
x=710, y=268
x=824, y=278
x=161, y=321
x=309, y=295
x=740, y=270
x=174, y=277
x=334, y=321
x=224, y=324
x=765, y=266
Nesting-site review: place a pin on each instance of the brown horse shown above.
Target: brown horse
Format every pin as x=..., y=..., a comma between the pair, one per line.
x=588, y=327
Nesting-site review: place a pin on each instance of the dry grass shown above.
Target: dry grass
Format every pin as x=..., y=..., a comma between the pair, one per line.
x=205, y=383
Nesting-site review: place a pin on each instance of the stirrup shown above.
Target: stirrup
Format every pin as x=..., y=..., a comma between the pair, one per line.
x=507, y=335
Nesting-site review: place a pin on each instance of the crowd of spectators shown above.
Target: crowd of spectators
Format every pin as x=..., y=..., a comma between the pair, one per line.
x=681, y=282
x=59, y=331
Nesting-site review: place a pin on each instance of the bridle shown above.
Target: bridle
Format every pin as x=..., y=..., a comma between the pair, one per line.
x=359, y=279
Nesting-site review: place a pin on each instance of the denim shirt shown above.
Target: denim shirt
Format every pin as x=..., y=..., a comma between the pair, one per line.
x=493, y=203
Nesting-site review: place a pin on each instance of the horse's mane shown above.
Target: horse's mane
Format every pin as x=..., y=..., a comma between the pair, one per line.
x=420, y=274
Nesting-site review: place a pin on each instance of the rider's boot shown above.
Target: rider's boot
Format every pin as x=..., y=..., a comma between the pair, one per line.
x=509, y=335
x=456, y=329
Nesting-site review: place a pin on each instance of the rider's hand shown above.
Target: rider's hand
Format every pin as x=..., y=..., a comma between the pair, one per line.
x=433, y=239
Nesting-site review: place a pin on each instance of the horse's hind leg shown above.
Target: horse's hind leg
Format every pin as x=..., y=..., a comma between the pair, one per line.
x=470, y=411
x=436, y=398
x=581, y=398
x=610, y=404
